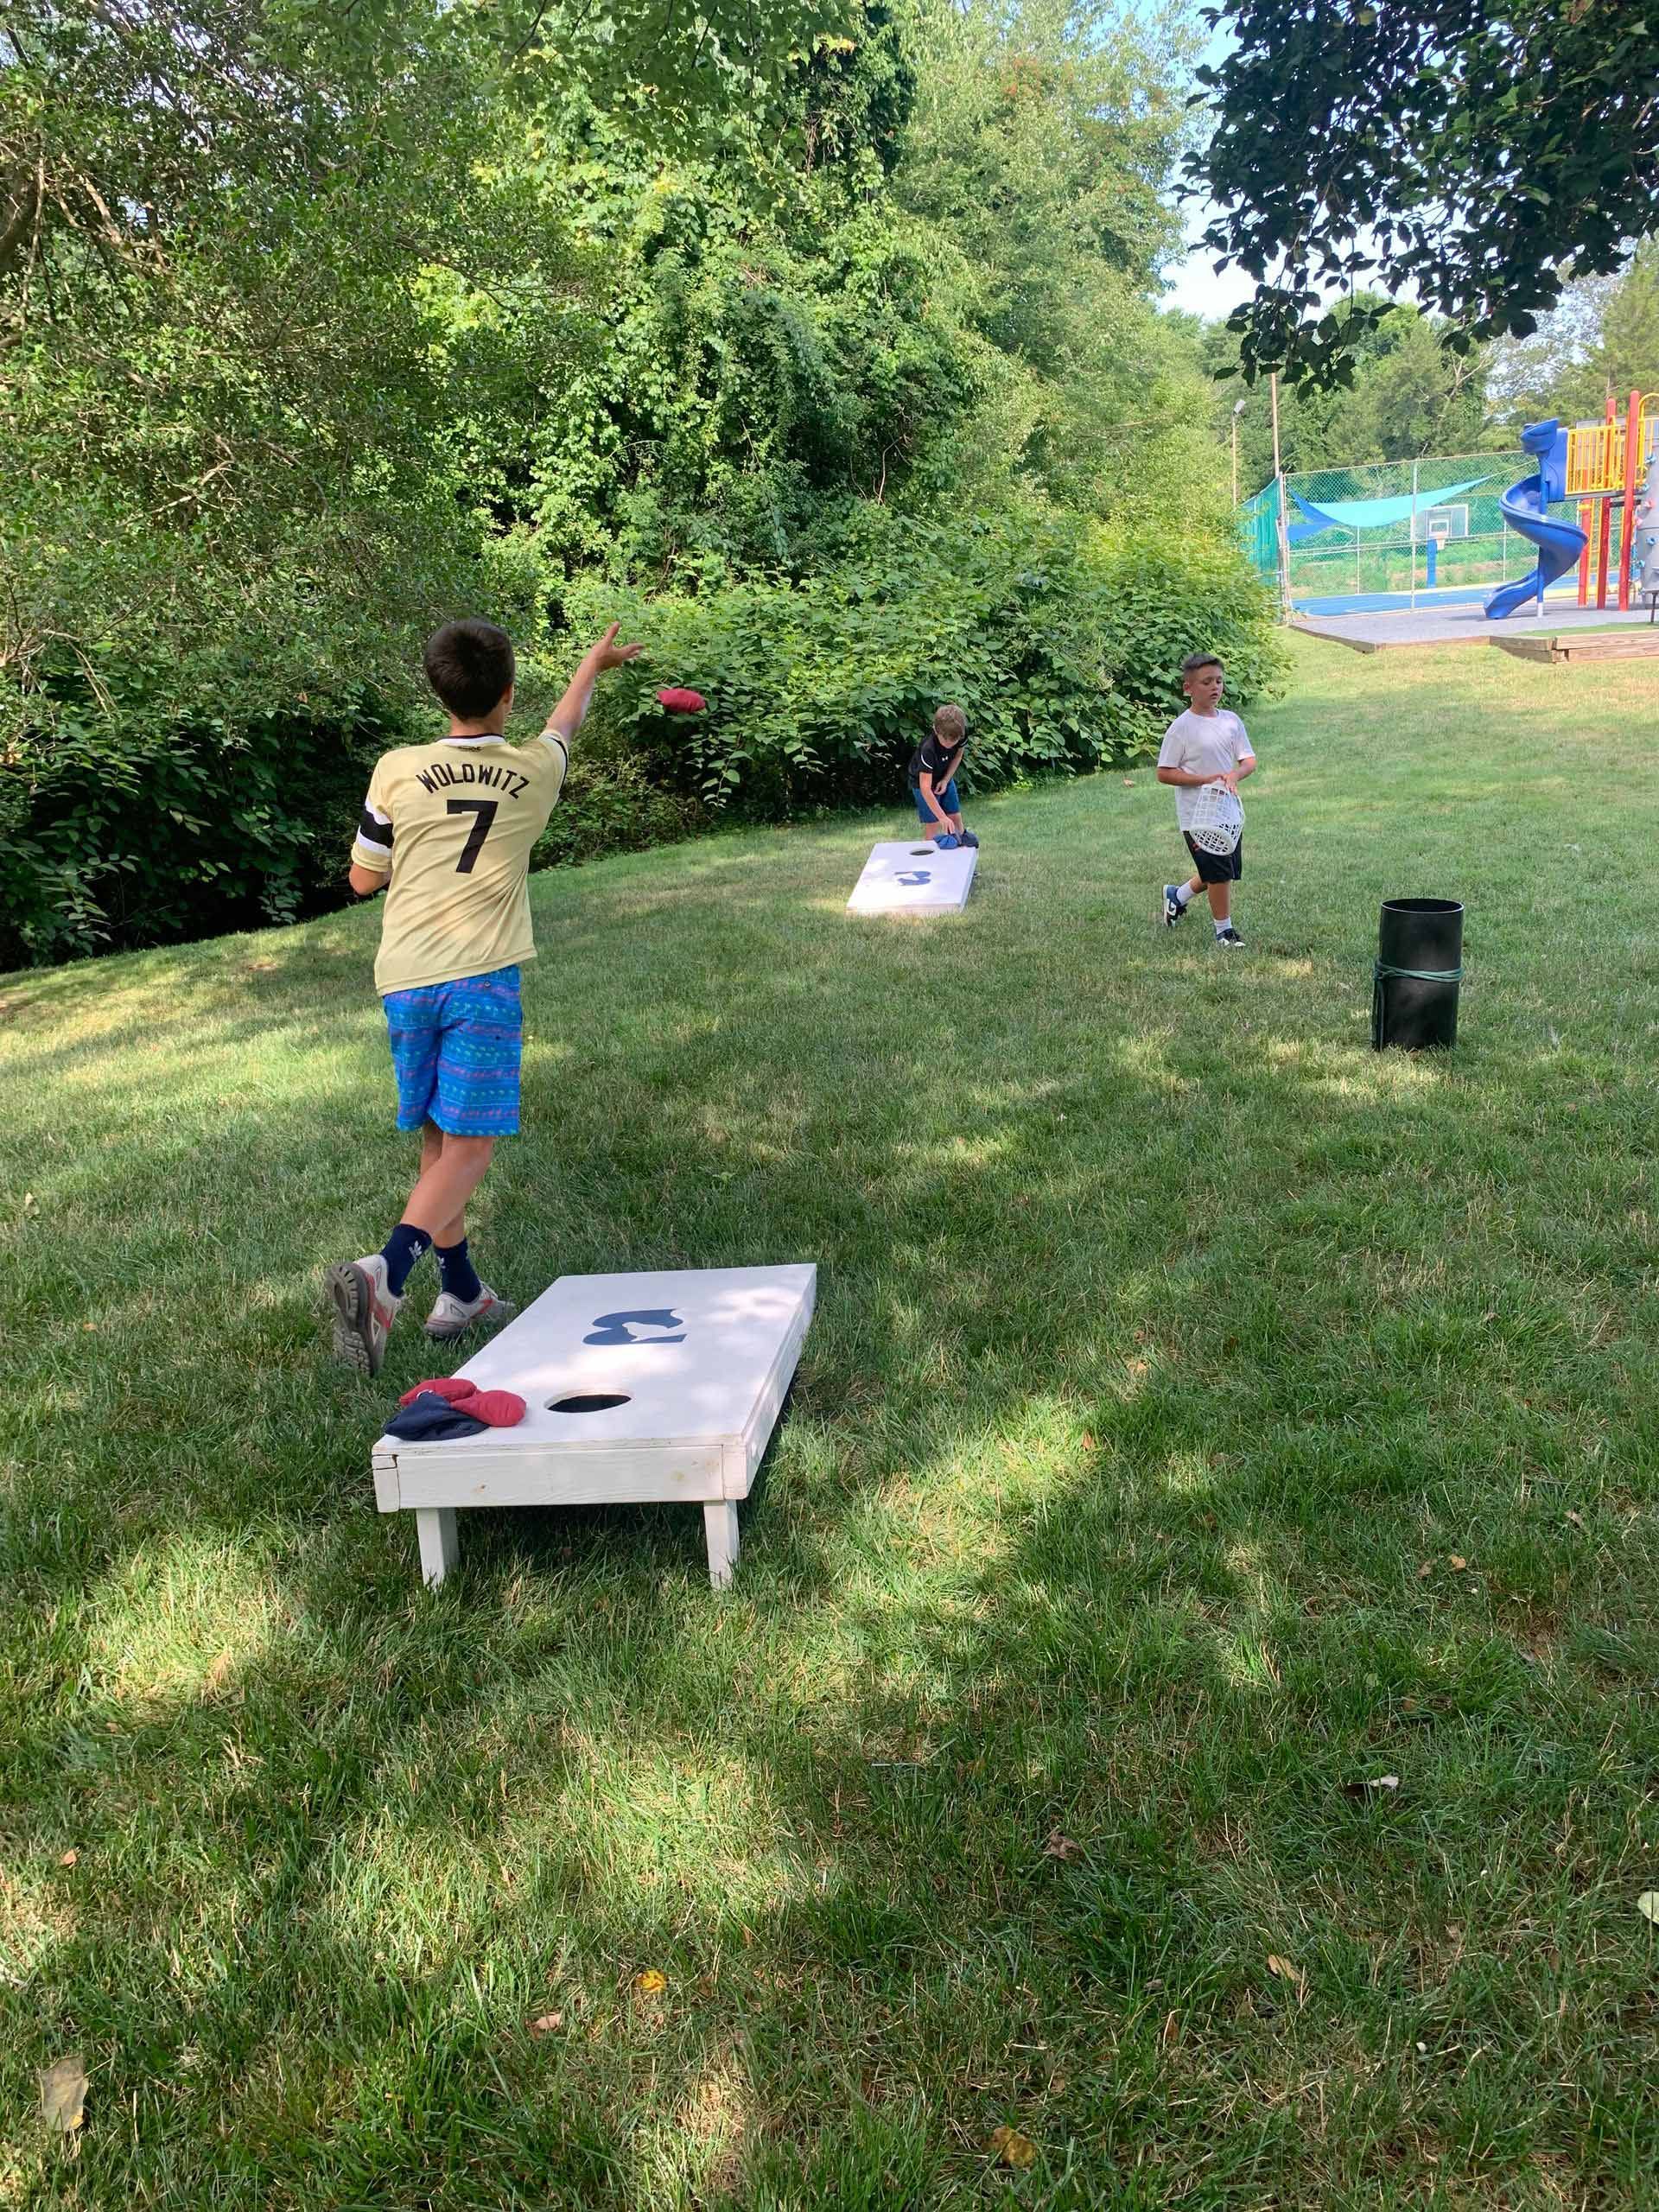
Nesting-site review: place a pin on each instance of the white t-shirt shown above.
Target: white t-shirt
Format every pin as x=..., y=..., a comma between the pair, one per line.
x=1204, y=745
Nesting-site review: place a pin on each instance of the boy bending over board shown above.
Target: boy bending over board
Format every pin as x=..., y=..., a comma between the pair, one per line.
x=450, y=828
x=932, y=773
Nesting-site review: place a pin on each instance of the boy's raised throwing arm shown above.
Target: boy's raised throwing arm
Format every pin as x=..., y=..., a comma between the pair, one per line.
x=567, y=718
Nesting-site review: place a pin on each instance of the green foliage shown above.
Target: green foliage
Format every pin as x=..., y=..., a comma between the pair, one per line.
x=129, y=827
x=1602, y=342
x=1062, y=646
x=1043, y=138
x=610, y=804
x=183, y=742
x=816, y=339
x=1409, y=397
x=1472, y=154
x=744, y=377
x=1164, y=599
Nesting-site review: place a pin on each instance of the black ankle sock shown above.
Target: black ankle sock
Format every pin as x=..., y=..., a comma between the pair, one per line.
x=401, y=1250
x=456, y=1271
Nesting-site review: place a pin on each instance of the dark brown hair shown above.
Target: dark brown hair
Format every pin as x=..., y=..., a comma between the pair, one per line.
x=470, y=665
x=1194, y=661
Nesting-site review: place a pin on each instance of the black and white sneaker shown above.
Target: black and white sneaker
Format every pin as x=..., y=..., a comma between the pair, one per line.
x=1230, y=939
x=1172, y=907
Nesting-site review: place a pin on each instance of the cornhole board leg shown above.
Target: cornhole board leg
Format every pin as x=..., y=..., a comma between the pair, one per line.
x=440, y=1547
x=720, y=1524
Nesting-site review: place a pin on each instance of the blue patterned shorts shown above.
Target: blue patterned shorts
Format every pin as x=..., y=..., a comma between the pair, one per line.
x=456, y=1047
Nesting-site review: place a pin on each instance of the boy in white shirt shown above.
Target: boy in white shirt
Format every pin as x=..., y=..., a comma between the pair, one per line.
x=1205, y=745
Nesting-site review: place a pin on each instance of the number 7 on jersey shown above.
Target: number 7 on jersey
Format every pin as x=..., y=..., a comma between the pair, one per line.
x=485, y=809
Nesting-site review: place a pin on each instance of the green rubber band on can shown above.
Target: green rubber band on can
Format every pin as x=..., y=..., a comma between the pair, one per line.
x=1382, y=972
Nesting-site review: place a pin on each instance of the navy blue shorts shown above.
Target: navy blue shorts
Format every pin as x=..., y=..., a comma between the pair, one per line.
x=1218, y=868
x=947, y=798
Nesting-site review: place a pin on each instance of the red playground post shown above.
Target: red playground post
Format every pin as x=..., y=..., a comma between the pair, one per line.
x=1604, y=523
x=1632, y=465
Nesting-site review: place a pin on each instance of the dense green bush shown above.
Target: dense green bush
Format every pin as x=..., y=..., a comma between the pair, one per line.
x=1063, y=645
x=132, y=814
x=183, y=746
x=1167, y=596
x=116, y=832
x=609, y=804
x=120, y=828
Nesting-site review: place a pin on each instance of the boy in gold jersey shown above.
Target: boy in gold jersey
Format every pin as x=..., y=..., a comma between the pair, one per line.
x=447, y=831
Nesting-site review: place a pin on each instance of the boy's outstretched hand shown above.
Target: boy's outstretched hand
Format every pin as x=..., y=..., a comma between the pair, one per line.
x=609, y=654
x=568, y=715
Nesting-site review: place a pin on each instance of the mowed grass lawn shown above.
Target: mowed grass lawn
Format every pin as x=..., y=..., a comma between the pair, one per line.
x=1205, y=1417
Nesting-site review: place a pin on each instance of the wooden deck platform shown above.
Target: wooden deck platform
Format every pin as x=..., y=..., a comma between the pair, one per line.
x=1603, y=644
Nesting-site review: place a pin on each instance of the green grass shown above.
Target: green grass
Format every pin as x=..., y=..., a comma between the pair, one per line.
x=1637, y=622
x=1171, y=1345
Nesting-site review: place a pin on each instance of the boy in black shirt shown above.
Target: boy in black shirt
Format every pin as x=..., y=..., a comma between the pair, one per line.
x=933, y=768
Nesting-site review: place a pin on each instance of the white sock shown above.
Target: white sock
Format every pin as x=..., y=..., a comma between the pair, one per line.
x=1222, y=928
x=1183, y=893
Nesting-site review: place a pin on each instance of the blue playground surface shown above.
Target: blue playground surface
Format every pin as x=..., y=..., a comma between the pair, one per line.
x=1400, y=602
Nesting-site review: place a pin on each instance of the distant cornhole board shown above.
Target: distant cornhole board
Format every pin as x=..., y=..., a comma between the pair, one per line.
x=914, y=878
x=638, y=1388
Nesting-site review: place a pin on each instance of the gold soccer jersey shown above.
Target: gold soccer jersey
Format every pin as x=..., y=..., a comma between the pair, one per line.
x=454, y=823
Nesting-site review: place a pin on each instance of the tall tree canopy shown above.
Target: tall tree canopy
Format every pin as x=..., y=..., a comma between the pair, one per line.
x=826, y=327
x=1473, y=152
x=1601, y=343
x=1409, y=397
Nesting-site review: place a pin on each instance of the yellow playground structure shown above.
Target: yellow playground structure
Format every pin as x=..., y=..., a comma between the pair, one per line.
x=1611, y=465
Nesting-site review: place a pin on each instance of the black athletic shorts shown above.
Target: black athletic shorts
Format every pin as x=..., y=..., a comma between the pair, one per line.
x=1218, y=868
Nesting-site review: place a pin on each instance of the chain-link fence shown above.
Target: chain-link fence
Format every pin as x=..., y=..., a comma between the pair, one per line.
x=1387, y=533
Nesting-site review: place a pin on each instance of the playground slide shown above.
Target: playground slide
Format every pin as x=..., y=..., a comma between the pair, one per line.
x=1525, y=506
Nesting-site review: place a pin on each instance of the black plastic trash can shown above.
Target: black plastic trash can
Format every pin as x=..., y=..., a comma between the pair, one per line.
x=1418, y=968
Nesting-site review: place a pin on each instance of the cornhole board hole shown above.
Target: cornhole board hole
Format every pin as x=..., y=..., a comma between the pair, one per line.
x=637, y=1388
x=914, y=878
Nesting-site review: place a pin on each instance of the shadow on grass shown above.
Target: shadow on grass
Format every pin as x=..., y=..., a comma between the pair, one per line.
x=1156, y=1359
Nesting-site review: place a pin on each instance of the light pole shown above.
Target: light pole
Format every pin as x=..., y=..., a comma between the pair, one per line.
x=1278, y=486
x=1238, y=408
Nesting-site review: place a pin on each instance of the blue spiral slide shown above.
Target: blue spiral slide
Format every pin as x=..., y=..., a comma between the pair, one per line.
x=1525, y=507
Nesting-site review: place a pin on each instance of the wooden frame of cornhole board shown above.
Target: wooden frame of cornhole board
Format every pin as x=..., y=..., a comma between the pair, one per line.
x=637, y=1388
x=914, y=877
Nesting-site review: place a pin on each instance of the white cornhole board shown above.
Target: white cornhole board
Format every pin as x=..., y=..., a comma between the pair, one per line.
x=914, y=878
x=700, y=1360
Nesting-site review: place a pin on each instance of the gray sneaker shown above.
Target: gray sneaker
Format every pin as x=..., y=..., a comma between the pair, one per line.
x=364, y=1310
x=453, y=1316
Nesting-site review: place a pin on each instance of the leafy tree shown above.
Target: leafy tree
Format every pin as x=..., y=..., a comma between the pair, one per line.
x=680, y=76
x=1044, y=134
x=317, y=323
x=1409, y=397
x=756, y=352
x=1601, y=343
x=1474, y=154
